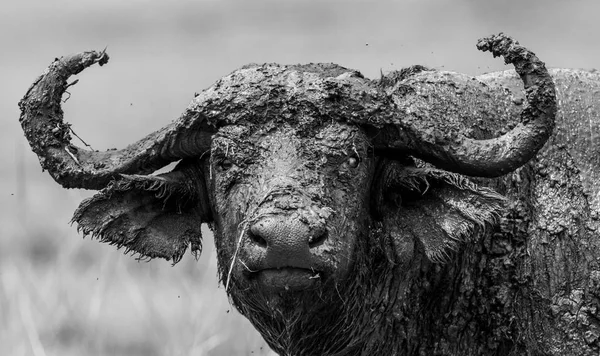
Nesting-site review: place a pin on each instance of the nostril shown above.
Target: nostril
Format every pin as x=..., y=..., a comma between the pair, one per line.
x=317, y=239
x=257, y=239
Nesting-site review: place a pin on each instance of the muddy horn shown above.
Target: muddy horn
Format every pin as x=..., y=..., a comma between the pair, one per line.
x=430, y=107
x=75, y=167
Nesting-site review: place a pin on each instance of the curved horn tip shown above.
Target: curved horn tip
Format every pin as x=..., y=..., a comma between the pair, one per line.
x=75, y=63
x=498, y=156
x=72, y=167
x=42, y=117
x=498, y=44
x=505, y=46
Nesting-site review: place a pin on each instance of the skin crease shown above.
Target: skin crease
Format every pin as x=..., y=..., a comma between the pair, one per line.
x=307, y=178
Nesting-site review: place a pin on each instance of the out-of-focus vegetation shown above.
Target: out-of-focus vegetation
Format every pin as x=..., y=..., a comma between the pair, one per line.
x=61, y=295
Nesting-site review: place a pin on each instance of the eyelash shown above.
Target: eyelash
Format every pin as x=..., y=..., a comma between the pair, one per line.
x=224, y=164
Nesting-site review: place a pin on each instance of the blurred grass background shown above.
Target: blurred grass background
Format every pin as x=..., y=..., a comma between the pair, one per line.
x=62, y=295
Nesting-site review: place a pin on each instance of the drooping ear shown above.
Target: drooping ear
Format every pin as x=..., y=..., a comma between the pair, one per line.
x=434, y=208
x=153, y=216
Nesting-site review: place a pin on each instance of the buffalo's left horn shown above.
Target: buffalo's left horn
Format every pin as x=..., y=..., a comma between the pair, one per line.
x=75, y=167
x=421, y=112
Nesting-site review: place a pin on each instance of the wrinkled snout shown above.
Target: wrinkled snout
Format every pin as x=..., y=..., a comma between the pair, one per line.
x=286, y=241
x=284, y=252
x=291, y=202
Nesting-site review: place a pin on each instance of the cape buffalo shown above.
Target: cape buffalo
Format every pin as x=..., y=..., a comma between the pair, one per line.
x=423, y=213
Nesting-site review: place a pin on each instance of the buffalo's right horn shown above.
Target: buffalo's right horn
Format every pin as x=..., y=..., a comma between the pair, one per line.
x=75, y=167
x=438, y=103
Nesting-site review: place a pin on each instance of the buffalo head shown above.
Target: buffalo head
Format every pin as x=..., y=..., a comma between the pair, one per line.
x=309, y=175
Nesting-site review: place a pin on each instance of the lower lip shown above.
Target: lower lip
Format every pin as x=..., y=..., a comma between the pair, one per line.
x=288, y=279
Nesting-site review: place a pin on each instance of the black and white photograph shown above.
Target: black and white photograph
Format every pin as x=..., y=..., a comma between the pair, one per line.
x=300, y=178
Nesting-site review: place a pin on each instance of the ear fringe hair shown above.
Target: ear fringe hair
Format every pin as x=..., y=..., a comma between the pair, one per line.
x=133, y=245
x=165, y=186
x=110, y=229
x=459, y=208
x=414, y=178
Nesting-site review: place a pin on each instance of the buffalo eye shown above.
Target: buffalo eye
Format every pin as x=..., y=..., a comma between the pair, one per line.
x=352, y=161
x=225, y=164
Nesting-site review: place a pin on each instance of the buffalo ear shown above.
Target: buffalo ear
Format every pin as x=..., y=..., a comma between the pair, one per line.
x=153, y=216
x=436, y=208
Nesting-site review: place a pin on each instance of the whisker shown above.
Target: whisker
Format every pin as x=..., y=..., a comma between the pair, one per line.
x=247, y=268
x=237, y=249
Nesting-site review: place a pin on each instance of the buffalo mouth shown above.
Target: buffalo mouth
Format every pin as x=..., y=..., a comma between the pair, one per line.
x=287, y=279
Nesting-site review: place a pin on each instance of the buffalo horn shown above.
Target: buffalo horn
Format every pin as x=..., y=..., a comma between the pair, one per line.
x=75, y=167
x=477, y=157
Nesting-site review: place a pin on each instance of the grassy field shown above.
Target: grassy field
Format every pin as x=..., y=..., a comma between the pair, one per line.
x=63, y=295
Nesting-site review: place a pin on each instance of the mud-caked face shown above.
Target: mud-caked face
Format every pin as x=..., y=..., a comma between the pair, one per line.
x=290, y=203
